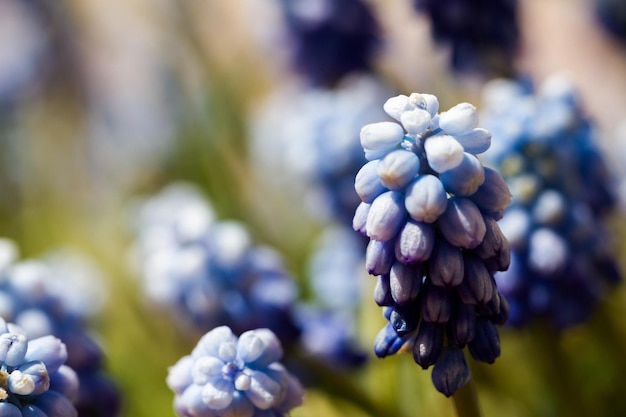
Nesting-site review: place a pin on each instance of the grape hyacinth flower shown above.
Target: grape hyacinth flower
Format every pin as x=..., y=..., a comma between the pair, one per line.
x=34, y=379
x=58, y=294
x=330, y=38
x=209, y=272
x=483, y=35
x=561, y=261
x=226, y=375
x=430, y=209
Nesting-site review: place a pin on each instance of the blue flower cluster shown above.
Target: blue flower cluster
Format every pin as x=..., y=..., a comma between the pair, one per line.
x=56, y=295
x=483, y=35
x=34, y=379
x=331, y=38
x=561, y=259
x=226, y=375
x=209, y=272
x=430, y=209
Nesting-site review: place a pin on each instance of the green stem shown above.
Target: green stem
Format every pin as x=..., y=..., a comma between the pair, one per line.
x=466, y=401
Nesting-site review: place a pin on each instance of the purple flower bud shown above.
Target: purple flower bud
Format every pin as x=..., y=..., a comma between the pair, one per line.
x=426, y=198
x=493, y=196
x=445, y=265
x=428, y=344
x=398, y=168
x=478, y=286
x=379, y=256
x=405, y=318
x=359, y=220
x=367, y=182
x=436, y=304
x=464, y=179
x=9, y=410
x=377, y=139
x=451, y=371
x=443, y=152
x=462, y=223
x=460, y=119
x=55, y=405
x=502, y=317
x=494, y=249
x=415, y=242
x=405, y=282
x=486, y=344
x=33, y=411
x=463, y=324
x=382, y=291
x=475, y=141
x=65, y=381
x=386, y=216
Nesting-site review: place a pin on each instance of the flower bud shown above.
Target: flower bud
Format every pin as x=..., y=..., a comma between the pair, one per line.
x=377, y=139
x=30, y=378
x=460, y=119
x=443, y=152
x=462, y=223
x=395, y=106
x=49, y=350
x=428, y=344
x=54, y=404
x=367, y=182
x=382, y=291
x=13, y=348
x=451, y=371
x=475, y=141
x=432, y=104
x=478, y=285
x=415, y=121
x=65, y=381
x=9, y=410
x=259, y=347
x=405, y=282
x=404, y=318
x=398, y=168
x=359, y=220
x=387, y=342
x=494, y=249
x=386, y=216
x=445, y=265
x=486, y=344
x=415, y=242
x=425, y=198
x=493, y=196
x=464, y=179
x=463, y=324
x=379, y=256
x=436, y=304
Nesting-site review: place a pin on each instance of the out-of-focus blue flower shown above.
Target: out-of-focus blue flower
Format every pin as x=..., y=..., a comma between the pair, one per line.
x=330, y=38
x=226, y=375
x=34, y=379
x=612, y=15
x=304, y=141
x=562, y=263
x=482, y=35
x=58, y=294
x=209, y=272
x=430, y=208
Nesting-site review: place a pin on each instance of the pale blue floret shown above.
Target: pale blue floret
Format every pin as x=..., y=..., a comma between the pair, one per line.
x=405, y=282
x=230, y=376
x=377, y=139
x=443, y=152
x=425, y=198
x=415, y=242
x=12, y=348
x=379, y=256
x=459, y=120
x=30, y=378
x=367, y=182
x=398, y=168
x=476, y=141
x=386, y=216
x=49, y=350
x=464, y=179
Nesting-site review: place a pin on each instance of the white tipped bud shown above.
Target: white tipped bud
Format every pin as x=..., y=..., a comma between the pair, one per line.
x=460, y=119
x=395, y=106
x=415, y=121
x=443, y=152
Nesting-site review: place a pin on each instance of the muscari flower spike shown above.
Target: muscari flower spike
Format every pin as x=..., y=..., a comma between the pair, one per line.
x=430, y=209
x=483, y=35
x=57, y=294
x=562, y=264
x=34, y=379
x=331, y=38
x=230, y=376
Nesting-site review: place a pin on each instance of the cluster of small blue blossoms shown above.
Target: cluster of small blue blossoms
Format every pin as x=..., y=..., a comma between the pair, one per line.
x=430, y=209
x=34, y=379
x=331, y=38
x=50, y=296
x=561, y=257
x=483, y=35
x=209, y=273
x=230, y=376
